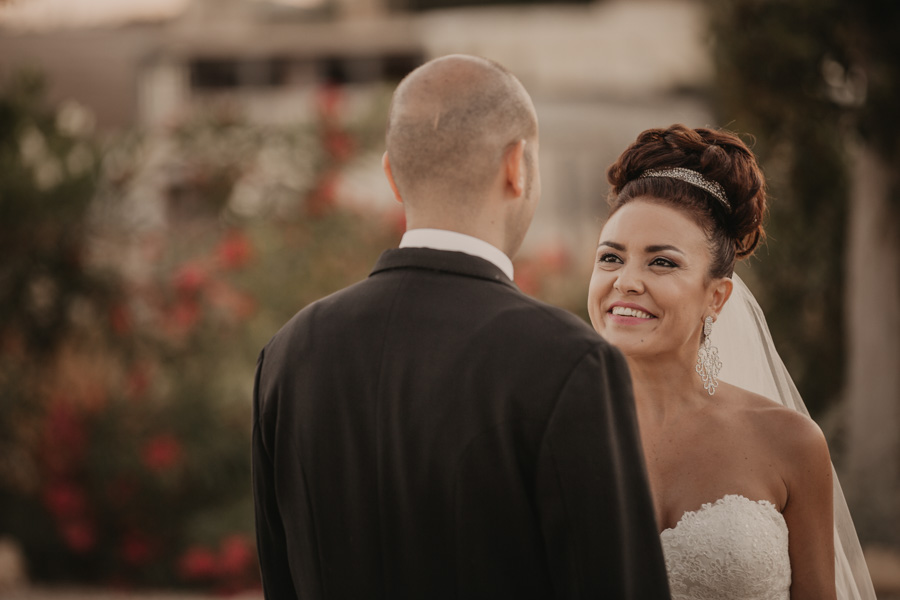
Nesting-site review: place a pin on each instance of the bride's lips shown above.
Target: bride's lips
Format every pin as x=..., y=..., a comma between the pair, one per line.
x=627, y=313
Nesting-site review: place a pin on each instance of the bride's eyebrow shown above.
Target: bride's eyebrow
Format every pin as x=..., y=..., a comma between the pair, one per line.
x=613, y=245
x=661, y=247
x=648, y=249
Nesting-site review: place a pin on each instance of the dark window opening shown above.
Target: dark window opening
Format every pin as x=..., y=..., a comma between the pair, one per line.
x=228, y=73
x=221, y=74
x=396, y=67
x=415, y=5
x=215, y=74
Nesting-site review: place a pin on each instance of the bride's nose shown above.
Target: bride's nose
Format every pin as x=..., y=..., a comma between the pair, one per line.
x=629, y=281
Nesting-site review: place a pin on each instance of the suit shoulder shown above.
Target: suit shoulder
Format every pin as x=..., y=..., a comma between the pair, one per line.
x=552, y=336
x=315, y=314
x=557, y=324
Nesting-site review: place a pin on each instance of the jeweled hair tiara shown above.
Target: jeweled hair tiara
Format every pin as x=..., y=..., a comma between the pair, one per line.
x=694, y=178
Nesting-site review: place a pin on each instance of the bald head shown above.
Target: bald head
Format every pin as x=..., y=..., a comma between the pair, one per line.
x=451, y=121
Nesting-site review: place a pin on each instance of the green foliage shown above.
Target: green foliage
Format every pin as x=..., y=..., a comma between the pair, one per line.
x=871, y=46
x=127, y=414
x=48, y=162
x=49, y=166
x=806, y=76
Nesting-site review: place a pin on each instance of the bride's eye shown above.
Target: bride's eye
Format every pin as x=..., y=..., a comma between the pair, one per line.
x=609, y=257
x=662, y=262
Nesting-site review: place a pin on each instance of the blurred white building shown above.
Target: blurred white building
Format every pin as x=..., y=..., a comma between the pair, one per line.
x=599, y=73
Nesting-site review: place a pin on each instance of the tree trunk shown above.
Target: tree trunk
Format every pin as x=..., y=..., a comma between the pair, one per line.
x=872, y=294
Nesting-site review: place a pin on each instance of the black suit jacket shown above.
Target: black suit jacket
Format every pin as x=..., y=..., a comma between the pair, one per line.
x=431, y=432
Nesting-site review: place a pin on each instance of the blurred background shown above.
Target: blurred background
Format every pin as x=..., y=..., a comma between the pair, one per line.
x=179, y=177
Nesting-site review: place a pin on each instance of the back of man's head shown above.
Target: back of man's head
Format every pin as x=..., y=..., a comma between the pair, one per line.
x=451, y=120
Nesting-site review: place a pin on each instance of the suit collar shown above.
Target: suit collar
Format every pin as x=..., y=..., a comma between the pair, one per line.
x=458, y=263
x=455, y=241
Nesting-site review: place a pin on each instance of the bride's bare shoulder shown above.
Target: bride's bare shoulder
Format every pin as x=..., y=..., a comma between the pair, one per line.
x=784, y=428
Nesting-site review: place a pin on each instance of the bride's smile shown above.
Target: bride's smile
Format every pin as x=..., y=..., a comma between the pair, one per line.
x=628, y=313
x=650, y=289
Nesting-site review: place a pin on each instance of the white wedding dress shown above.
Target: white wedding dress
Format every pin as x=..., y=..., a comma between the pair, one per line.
x=732, y=548
x=735, y=547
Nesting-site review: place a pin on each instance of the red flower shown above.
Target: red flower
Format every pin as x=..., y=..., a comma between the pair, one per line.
x=65, y=438
x=137, y=549
x=120, y=319
x=80, y=535
x=121, y=491
x=235, y=250
x=244, y=306
x=238, y=304
x=554, y=259
x=527, y=277
x=197, y=563
x=323, y=196
x=162, y=452
x=339, y=145
x=190, y=279
x=138, y=380
x=329, y=101
x=236, y=555
x=65, y=500
x=64, y=425
x=183, y=316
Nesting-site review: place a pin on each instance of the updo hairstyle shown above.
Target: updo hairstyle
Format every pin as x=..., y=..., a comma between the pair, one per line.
x=719, y=156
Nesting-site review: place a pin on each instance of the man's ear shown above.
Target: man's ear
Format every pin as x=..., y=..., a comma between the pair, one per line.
x=386, y=165
x=721, y=291
x=514, y=165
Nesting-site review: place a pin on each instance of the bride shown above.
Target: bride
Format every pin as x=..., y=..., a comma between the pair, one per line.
x=745, y=495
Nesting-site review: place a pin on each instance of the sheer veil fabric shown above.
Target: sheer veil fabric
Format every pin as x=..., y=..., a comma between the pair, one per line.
x=750, y=361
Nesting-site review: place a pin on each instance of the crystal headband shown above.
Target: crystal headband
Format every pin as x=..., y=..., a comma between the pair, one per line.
x=692, y=177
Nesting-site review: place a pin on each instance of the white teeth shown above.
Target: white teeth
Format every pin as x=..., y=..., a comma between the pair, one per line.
x=630, y=312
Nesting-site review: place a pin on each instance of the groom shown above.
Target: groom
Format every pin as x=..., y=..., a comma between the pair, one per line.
x=431, y=432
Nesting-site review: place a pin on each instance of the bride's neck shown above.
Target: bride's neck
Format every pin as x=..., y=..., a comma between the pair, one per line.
x=663, y=389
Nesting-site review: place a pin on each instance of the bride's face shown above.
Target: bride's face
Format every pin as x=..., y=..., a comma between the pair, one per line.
x=650, y=290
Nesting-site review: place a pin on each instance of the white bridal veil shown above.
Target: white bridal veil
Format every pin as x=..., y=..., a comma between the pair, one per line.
x=749, y=360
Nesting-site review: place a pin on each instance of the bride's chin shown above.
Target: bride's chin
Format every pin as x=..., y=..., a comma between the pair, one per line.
x=631, y=354
x=626, y=346
x=618, y=337
x=636, y=348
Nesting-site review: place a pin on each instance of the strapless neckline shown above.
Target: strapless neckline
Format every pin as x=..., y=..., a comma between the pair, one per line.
x=690, y=514
x=733, y=548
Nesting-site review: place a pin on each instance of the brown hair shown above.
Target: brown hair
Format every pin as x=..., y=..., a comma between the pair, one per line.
x=719, y=156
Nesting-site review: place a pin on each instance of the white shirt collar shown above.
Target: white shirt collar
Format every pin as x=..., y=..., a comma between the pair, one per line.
x=442, y=239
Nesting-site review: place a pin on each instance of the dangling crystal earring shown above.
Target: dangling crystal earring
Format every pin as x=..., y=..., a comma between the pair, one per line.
x=708, y=363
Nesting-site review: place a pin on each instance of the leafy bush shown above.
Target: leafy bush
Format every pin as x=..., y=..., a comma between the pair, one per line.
x=147, y=273
x=140, y=291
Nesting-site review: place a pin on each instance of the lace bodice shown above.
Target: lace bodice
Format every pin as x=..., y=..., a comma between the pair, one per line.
x=733, y=548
